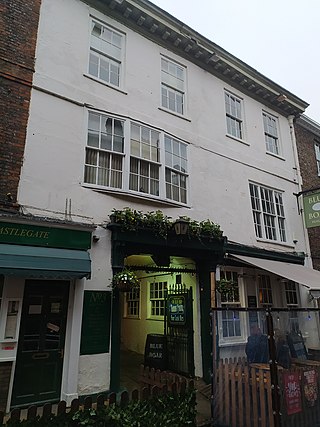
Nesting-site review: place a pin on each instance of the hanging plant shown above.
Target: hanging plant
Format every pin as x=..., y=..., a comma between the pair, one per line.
x=125, y=280
x=228, y=289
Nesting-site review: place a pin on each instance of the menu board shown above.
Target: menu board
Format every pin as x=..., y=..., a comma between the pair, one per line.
x=95, y=331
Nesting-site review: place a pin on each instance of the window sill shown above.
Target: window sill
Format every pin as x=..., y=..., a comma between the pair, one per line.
x=123, y=193
x=276, y=242
x=156, y=319
x=174, y=114
x=277, y=156
x=132, y=317
x=232, y=343
x=96, y=79
x=238, y=139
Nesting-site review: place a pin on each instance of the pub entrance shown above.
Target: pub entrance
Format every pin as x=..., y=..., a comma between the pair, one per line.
x=39, y=364
x=157, y=320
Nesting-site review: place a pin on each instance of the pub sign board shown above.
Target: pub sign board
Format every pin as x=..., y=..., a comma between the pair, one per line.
x=311, y=205
x=176, y=310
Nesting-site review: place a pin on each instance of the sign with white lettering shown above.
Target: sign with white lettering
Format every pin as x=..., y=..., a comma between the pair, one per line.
x=155, y=353
x=311, y=206
x=33, y=235
x=177, y=310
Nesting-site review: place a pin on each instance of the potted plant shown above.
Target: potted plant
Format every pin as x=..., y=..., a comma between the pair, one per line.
x=125, y=280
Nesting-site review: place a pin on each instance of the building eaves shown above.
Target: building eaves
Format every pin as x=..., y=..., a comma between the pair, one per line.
x=154, y=23
x=308, y=124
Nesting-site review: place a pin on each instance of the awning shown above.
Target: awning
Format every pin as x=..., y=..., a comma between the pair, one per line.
x=40, y=262
x=297, y=273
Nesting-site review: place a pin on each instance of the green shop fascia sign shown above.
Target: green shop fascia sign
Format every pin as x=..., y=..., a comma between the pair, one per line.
x=33, y=235
x=311, y=205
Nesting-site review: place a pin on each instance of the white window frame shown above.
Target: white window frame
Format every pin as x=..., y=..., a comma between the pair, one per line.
x=176, y=168
x=152, y=165
x=144, y=175
x=104, y=151
x=234, y=115
x=271, y=134
x=157, y=298
x=292, y=301
x=236, y=275
x=268, y=213
x=173, y=86
x=106, y=55
x=317, y=154
x=132, y=303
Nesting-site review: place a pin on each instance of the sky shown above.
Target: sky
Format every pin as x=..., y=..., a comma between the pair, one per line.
x=279, y=38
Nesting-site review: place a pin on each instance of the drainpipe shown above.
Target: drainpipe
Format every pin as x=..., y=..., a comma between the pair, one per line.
x=299, y=181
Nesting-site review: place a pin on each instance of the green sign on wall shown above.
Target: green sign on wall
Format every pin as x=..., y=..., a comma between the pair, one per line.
x=311, y=205
x=95, y=331
x=33, y=235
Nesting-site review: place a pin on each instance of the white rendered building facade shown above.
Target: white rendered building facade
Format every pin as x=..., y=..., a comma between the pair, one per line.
x=130, y=108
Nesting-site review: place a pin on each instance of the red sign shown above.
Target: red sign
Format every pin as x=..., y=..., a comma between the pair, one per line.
x=310, y=386
x=292, y=392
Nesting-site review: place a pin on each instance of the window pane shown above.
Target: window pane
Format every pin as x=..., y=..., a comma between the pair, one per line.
x=105, y=55
x=268, y=213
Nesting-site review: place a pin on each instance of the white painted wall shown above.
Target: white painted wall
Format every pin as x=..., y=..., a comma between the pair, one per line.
x=219, y=165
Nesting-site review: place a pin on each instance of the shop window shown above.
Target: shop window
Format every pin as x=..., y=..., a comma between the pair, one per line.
x=231, y=322
x=265, y=291
x=265, y=298
x=12, y=320
x=292, y=302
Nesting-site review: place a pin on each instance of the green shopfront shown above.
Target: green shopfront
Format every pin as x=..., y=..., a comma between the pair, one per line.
x=42, y=270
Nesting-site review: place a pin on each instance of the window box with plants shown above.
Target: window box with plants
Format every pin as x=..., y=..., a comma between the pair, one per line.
x=159, y=225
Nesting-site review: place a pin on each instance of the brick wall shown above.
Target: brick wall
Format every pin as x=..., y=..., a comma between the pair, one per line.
x=309, y=172
x=5, y=373
x=18, y=33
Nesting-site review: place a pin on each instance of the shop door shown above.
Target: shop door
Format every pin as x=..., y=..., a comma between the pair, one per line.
x=41, y=343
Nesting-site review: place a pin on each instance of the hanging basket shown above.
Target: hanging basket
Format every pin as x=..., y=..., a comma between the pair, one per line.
x=125, y=281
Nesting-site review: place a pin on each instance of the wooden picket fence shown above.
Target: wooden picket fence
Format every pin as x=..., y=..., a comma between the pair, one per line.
x=242, y=397
x=156, y=384
x=150, y=377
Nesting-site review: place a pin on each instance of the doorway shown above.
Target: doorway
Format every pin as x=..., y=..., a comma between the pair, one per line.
x=145, y=314
x=38, y=371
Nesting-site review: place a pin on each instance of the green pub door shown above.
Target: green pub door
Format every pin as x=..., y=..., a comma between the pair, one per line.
x=41, y=343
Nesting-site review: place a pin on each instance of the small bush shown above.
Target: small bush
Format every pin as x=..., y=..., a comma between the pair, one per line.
x=172, y=410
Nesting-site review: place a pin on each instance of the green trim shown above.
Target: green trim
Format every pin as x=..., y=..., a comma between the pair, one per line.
x=171, y=245
x=238, y=249
x=34, y=235
x=206, y=253
x=37, y=262
x=205, y=306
